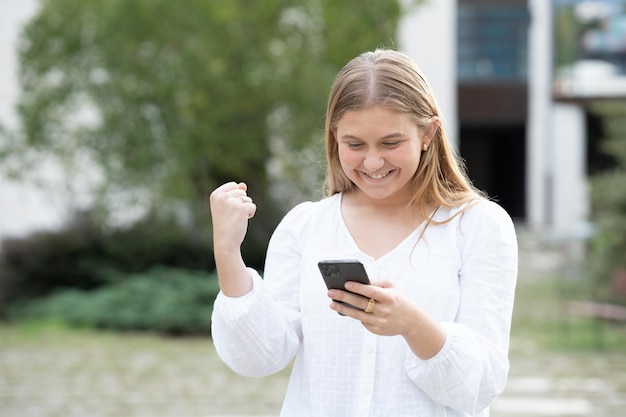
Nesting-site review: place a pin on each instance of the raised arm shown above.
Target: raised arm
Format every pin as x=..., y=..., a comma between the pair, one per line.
x=231, y=208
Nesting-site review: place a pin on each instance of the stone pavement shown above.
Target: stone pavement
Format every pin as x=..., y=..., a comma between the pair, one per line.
x=556, y=384
x=564, y=384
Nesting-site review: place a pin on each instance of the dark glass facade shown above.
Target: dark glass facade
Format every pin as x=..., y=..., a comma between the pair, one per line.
x=492, y=40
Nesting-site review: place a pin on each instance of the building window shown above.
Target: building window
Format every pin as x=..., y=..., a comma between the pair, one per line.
x=492, y=42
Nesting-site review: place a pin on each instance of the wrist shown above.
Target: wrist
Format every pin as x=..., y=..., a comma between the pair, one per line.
x=226, y=252
x=424, y=335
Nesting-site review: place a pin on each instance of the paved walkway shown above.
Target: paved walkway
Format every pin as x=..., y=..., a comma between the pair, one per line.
x=558, y=384
x=564, y=385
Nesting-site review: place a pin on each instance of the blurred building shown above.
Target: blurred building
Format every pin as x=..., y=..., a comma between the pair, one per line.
x=519, y=115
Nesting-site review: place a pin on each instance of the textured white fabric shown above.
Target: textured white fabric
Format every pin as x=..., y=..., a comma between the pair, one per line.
x=462, y=273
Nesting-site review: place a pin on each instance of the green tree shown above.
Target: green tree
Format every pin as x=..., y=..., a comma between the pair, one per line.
x=174, y=98
x=566, y=34
x=607, y=260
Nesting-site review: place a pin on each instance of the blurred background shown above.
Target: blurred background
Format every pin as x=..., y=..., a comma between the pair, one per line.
x=117, y=118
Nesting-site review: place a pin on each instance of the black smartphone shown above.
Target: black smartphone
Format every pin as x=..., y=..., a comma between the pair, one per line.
x=337, y=272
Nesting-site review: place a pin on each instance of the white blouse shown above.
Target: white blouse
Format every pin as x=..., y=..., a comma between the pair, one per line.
x=462, y=273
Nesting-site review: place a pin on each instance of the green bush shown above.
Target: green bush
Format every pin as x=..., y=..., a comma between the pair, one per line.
x=607, y=260
x=162, y=300
x=85, y=255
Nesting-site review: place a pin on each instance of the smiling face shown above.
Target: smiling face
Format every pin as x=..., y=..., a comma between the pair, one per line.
x=379, y=150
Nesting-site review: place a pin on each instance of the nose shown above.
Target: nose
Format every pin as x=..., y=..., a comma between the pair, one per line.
x=373, y=161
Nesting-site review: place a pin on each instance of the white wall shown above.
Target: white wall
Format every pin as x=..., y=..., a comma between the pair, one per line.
x=13, y=14
x=556, y=180
x=538, y=127
x=428, y=36
x=23, y=207
x=570, y=205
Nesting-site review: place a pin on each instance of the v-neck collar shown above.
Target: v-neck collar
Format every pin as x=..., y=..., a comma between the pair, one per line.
x=409, y=239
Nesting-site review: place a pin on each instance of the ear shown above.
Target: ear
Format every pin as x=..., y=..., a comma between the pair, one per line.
x=431, y=129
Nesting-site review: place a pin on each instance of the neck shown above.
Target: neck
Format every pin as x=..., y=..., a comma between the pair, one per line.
x=399, y=201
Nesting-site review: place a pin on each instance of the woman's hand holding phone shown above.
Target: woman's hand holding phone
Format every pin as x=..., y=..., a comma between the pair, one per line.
x=390, y=313
x=339, y=273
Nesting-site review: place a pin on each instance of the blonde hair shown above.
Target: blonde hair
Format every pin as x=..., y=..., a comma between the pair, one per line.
x=391, y=79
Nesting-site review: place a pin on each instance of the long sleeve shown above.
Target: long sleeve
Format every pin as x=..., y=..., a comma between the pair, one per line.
x=471, y=369
x=250, y=334
x=260, y=333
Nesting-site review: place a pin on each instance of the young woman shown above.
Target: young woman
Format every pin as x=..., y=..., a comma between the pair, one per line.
x=430, y=336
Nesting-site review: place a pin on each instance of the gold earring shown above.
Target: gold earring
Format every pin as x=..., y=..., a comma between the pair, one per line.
x=424, y=147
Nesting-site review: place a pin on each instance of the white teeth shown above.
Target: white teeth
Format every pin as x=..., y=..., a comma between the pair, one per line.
x=378, y=176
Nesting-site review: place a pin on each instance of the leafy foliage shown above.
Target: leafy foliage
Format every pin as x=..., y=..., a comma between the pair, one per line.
x=176, y=97
x=608, y=199
x=162, y=300
x=84, y=255
x=165, y=100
